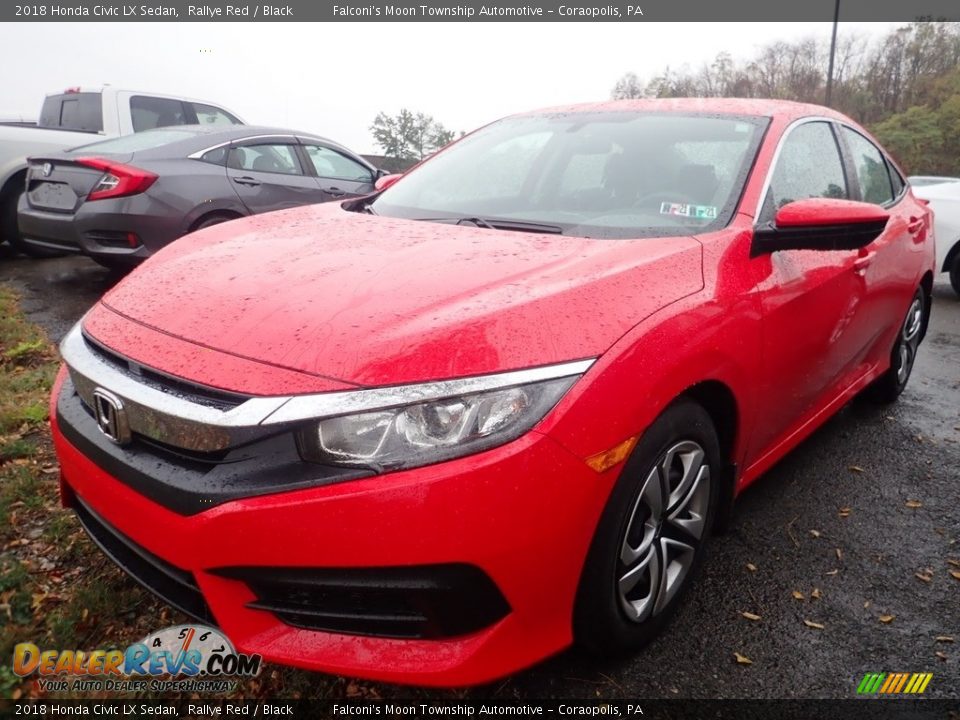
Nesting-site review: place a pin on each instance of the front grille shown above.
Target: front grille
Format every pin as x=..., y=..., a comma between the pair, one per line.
x=168, y=582
x=212, y=397
x=426, y=601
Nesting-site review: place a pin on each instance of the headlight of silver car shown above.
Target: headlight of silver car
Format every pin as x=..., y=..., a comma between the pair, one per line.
x=422, y=433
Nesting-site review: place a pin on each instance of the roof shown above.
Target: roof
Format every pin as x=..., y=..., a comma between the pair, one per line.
x=724, y=106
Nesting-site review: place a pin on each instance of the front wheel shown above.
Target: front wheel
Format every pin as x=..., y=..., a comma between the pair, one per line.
x=955, y=274
x=650, y=540
x=892, y=383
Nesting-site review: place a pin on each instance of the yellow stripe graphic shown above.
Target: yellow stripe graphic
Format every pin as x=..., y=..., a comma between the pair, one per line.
x=926, y=681
x=915, y=680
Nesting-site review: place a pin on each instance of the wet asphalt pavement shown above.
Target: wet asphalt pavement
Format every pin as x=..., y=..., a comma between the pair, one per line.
x=897, y=471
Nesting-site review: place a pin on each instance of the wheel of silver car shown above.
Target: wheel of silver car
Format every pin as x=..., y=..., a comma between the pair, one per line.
x=904, y=355
x=955, y=273
x=650, y=539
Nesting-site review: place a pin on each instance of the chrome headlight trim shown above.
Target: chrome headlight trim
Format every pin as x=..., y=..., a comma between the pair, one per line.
x=348, y=402
x=177, y=420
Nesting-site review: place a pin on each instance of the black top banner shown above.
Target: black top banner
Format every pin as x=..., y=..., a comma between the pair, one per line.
x=216, y=709
x=473, y=11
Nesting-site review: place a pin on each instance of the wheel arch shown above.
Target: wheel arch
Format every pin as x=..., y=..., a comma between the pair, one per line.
x=720, y=402
x=15, y=181
x=926, y=284
x=221, y=212
x=952, y=254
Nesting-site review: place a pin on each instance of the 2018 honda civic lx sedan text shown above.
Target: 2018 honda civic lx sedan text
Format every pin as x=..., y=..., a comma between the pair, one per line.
x=436, y=434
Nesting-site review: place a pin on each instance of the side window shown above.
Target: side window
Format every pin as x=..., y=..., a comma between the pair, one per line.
x=871, y=169
x=271, y=158
x=217, y=156
x=211, y=115
x=153, y=112
x=331, y=164
x=897, y=179
x=809, y=166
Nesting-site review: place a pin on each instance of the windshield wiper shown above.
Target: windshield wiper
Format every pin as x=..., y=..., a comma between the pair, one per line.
x=497, y=224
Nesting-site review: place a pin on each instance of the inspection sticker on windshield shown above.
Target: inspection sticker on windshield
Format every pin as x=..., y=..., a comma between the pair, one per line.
x=704, y=212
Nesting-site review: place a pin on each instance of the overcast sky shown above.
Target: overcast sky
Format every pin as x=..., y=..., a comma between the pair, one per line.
x=332, y=79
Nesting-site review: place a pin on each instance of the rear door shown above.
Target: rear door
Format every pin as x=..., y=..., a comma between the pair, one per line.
x=338, y=174
x=267, y=174
x=886, y=270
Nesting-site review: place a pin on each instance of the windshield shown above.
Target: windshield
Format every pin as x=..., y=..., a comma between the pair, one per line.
x=609, y=175
x=146, y=140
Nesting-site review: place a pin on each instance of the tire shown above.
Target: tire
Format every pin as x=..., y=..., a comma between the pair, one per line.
x=888, y=387
x=955, y=273
x=625, y=598
x=12, y=233
x=211, y=220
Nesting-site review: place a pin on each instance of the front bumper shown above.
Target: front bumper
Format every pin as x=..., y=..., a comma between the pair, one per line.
x=523, y=514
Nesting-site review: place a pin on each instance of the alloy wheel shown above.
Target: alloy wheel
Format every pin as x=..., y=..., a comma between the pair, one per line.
x=910, y=340
x=665, y=529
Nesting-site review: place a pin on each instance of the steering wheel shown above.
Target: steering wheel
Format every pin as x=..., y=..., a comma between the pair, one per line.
x=662, y=196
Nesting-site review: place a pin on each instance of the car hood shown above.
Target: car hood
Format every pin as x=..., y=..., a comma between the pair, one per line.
x=366, y=301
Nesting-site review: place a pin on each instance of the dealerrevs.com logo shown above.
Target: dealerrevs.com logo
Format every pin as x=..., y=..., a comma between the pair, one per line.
x=201, y=655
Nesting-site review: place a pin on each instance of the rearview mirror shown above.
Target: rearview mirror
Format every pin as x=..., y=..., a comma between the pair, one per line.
x=386, y=181
x=820, y=224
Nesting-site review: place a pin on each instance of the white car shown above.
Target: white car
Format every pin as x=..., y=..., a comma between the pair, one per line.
x=944, y=198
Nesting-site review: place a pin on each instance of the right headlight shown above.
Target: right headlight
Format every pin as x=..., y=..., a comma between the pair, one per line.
x=422, y=433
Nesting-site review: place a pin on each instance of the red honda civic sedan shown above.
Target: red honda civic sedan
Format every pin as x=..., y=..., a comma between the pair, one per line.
x=441, y=432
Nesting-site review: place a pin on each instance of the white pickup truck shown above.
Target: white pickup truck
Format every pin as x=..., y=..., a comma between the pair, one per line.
x=79, y=116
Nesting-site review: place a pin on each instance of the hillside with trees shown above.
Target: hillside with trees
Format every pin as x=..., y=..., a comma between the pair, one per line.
x=904, y=86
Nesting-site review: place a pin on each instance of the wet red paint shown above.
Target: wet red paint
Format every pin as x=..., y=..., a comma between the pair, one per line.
x=318, y=299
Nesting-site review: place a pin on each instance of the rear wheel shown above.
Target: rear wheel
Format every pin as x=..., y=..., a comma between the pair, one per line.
x=12, y=233
x=955, y=273
x=904, y=354
x=649, y=543
x=211, y=220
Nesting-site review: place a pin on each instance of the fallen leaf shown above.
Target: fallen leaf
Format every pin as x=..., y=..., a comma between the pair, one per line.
x=750, y=616
x=856, y=469
x=923, y=577
x=751, y=567
x=742, y=659
x=832, y=572
x=914, y=504
x=798, y=595
x=955, y=574
x=815, y=593
x=812, y=624
x=944, y=638
x=839, y=554
x=886, y=619
x=844, y=512
x=815, y=533
x=955, y=563
x=941, y=655
x=866, y=604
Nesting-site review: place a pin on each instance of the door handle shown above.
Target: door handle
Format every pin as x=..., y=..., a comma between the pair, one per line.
x=915, y=225
x=246, y=180
x=861, y=264
x=335, y=192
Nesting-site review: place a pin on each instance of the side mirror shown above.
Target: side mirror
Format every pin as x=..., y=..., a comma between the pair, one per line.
x=820, y=224
x=386, y=181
